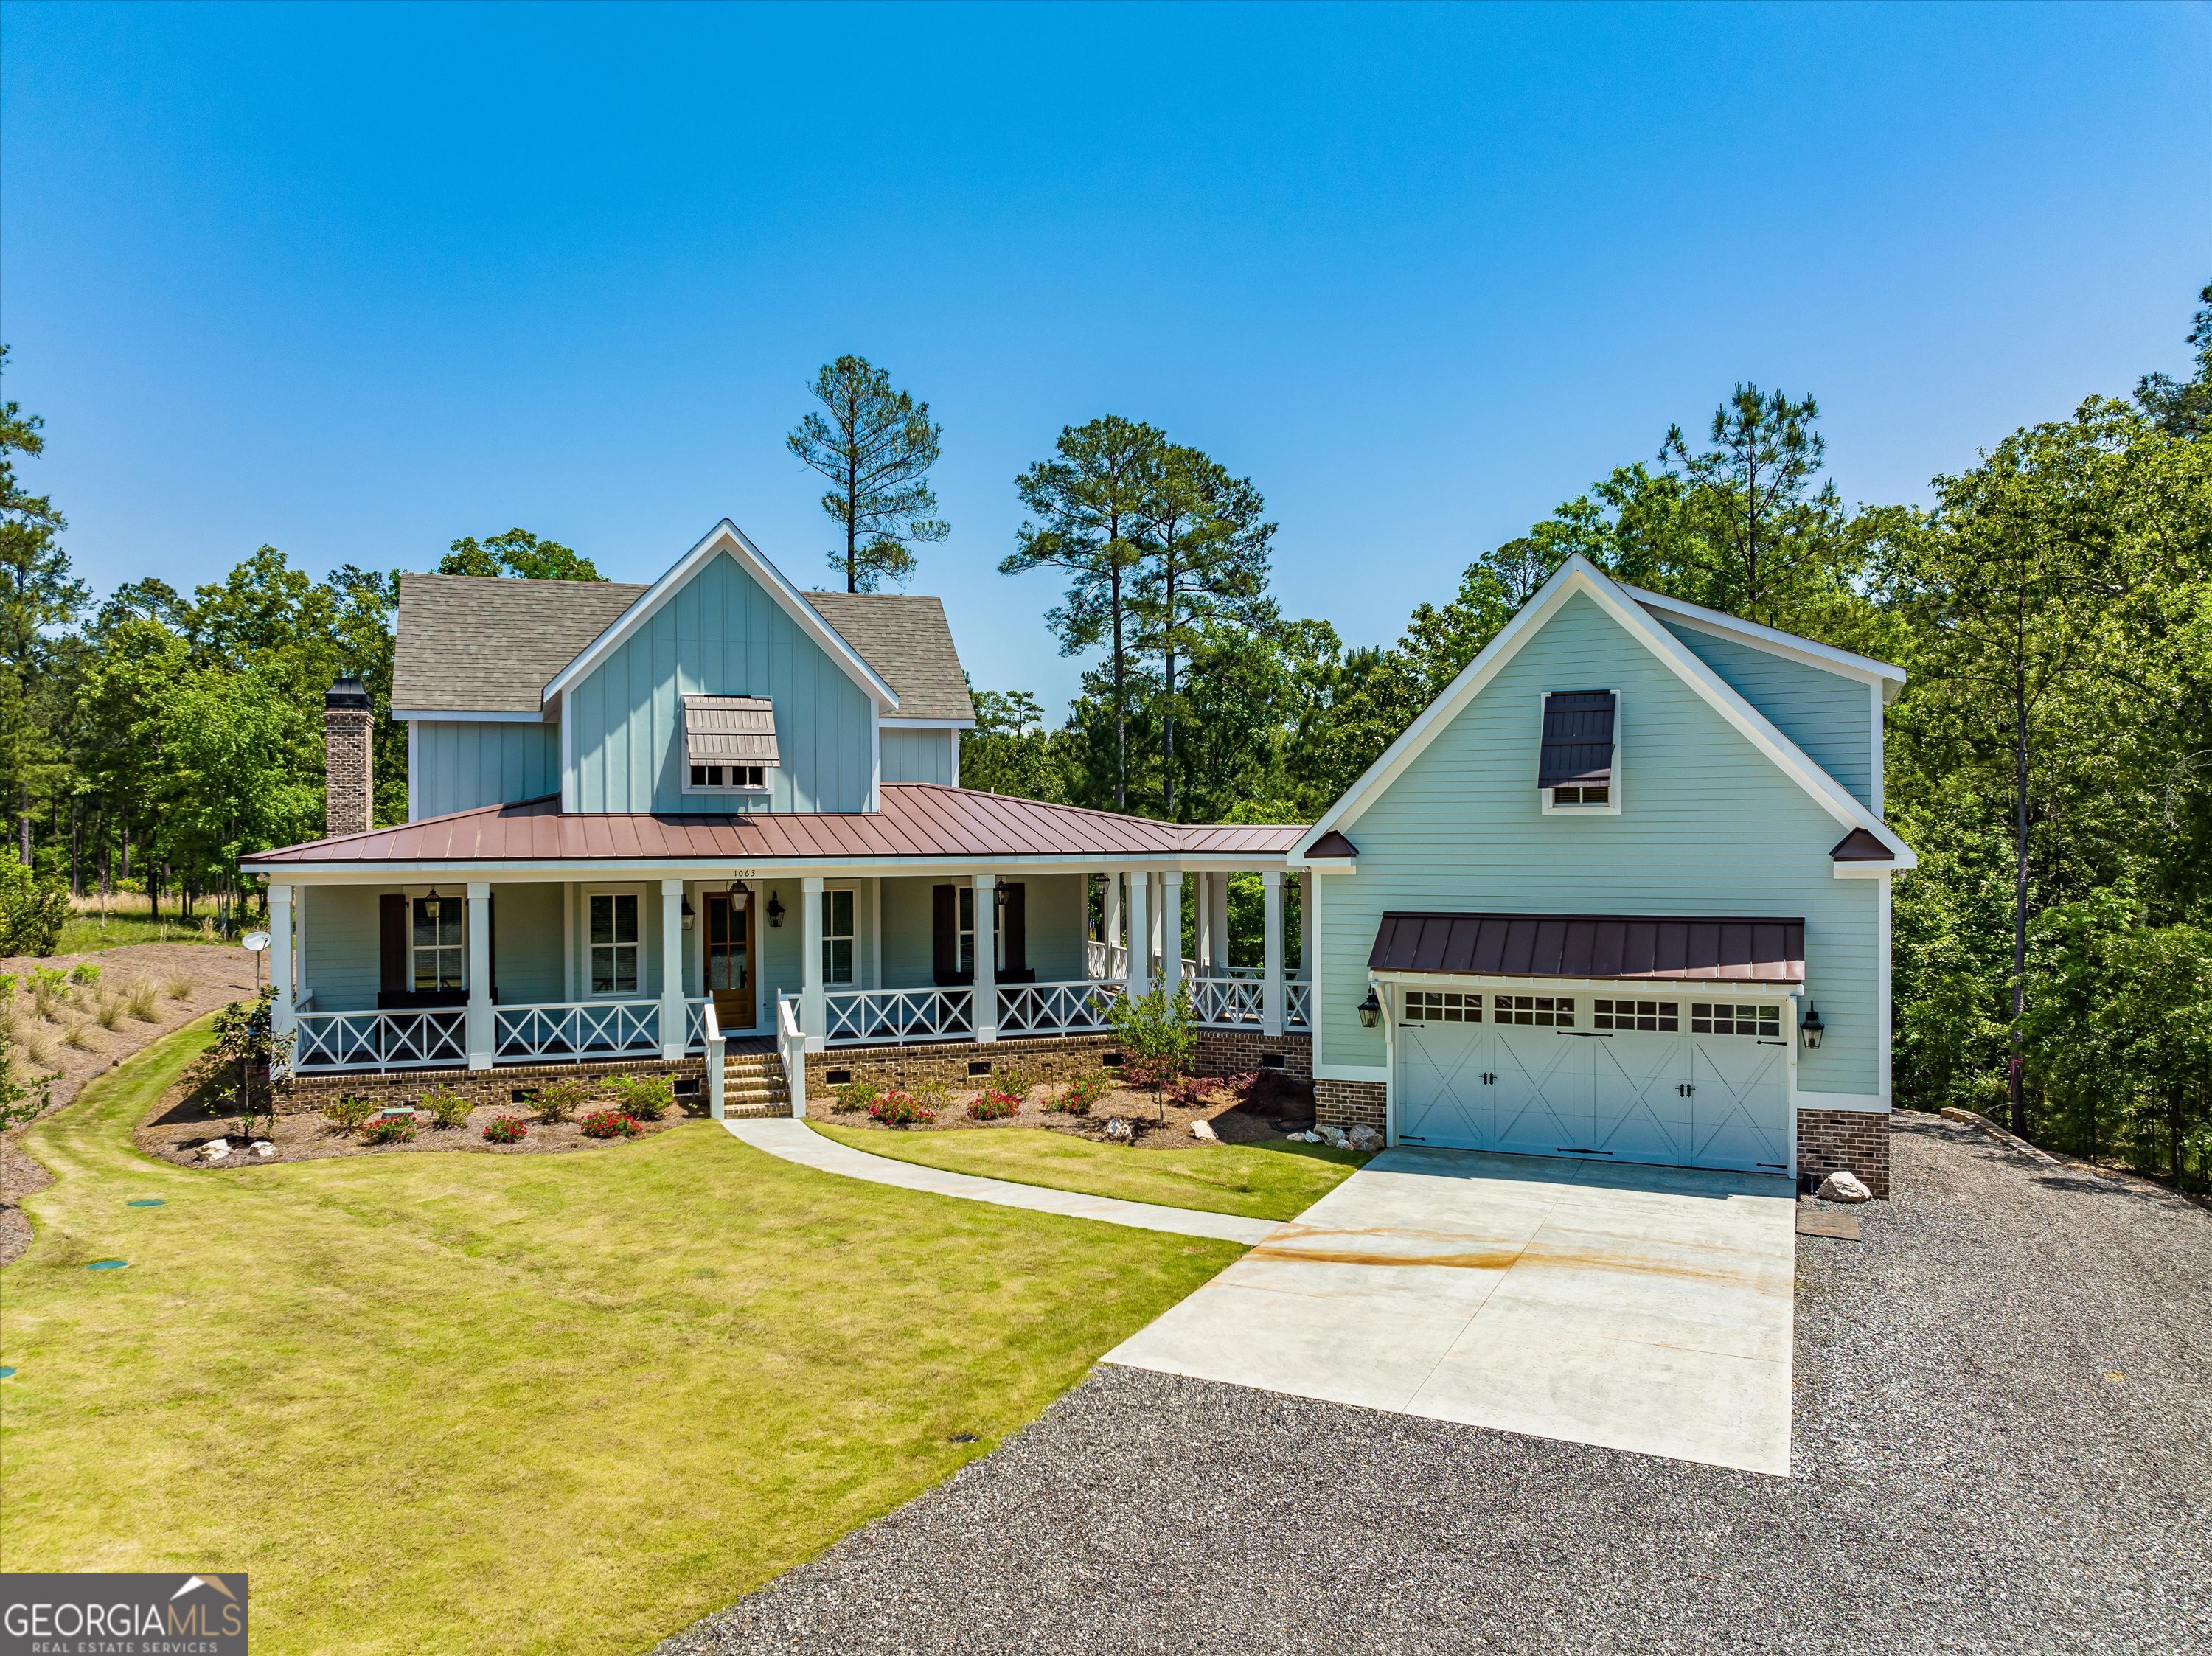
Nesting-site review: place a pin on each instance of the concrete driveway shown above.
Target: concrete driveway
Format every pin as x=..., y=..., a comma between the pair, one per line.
x=1641, y=1308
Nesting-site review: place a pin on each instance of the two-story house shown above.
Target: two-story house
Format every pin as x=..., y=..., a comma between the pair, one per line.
x=1587, y=906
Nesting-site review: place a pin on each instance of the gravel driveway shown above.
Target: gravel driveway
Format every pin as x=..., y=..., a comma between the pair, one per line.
x=2003, y=1444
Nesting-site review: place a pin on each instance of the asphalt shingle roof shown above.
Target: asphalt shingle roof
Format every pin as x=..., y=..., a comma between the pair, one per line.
x=490, y=644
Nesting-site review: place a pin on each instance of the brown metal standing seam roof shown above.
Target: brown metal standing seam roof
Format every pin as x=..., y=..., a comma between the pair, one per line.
x=1592, y=946
x=918, y=820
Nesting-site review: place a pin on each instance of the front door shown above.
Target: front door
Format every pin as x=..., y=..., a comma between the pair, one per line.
x=730, y=961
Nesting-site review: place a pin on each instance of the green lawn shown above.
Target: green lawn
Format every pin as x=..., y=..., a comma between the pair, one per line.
x=1259, y=1181
x=529, y=1403
x=86, y=934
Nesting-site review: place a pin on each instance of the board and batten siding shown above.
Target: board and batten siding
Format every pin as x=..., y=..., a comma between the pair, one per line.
x=1707, y=827
x=455, y=765
x=921, y=757
x=1827, y=714
x=719, y=634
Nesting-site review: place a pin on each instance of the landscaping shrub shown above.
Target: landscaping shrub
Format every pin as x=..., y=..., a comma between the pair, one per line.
x=506, y=1130
x=609, y=1124
x=932, y=1095
x=49, y=994
x=8, y=982
x=79, y=1035
x=108, y=1010
x=1083, y=1092
x=1191, y=1092
x=900, y=1110
x=993, y=1106
x=559, y=1101
x=138, y=1000
x=84, y=972
x=1011, y=1080
x=177, y=986
x=31, y=913
x=389, y=1130
x=854, y=1095
x=447, y=1107
x=348, y=1111
x=645, y=1098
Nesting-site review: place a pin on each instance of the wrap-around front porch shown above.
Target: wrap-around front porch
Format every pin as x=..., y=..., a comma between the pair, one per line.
x=483, y=974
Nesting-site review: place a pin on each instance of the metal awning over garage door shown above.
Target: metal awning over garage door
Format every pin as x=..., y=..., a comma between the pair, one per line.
x=1617, y=1038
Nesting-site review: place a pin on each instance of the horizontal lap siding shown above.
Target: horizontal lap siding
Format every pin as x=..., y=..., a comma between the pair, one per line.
x=341, y=957
x=1707, y=826
x=921, y=757
x=721, y=635
x=458, y=766
x=1829, y=716
x=527, y=932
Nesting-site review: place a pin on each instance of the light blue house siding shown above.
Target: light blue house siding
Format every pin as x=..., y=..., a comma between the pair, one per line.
x=719, y=634
x=1055, y=919
x=922, y=755
x=457, y=765
x=1829, y=716
x=340, y=942
x=1708, y=827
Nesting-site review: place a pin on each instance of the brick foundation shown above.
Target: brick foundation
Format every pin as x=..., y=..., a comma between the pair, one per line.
x=1833, y=1141
x=391, y=1089
x=1237, y=1052
x=1350, y=1104
x=945, y=1063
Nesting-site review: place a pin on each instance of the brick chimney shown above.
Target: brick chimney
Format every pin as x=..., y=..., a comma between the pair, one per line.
x=349, y=771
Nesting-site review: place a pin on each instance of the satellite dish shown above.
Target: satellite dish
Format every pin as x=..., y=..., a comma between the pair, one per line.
x=256, y=941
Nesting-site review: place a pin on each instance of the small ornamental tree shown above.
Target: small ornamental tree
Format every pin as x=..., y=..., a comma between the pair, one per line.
x=242, y=1036
x=1157, y=1038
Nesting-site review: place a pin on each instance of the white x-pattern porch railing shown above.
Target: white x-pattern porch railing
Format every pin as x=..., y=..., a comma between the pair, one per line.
x=413, y=1039
x=856, y=1017
x=576, y=1029
x=1056, y=1009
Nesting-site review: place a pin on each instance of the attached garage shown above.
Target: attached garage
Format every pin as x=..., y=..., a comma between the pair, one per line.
x=1648, y=1039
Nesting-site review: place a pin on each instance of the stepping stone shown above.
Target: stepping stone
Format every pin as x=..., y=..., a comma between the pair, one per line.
x=107, y=1265
x=1828, y=1222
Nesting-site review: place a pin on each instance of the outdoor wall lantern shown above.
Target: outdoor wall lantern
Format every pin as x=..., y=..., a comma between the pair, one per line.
x=430, y=906
x=1812, y=1029
x=775, y=909
x=740, y=894
x=689, y=917
x=1371, y=1009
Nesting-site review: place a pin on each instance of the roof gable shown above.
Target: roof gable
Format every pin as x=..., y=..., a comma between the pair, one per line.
x=726, y=538
x=1579, y=575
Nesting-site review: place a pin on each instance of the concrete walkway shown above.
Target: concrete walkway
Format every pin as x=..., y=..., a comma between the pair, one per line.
x=794, y=1141
x=1642, y=1308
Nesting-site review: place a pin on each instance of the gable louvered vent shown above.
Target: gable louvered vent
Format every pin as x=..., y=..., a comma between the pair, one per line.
x=1577, y=762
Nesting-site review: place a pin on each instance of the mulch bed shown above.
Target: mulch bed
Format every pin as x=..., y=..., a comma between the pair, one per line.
x=202, y=1105
x=1242, y=1110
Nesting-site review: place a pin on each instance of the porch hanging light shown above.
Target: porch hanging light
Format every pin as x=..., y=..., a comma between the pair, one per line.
x=430, y=906
x=1371, y=1009
x=1812, y=1027
x=740, y=894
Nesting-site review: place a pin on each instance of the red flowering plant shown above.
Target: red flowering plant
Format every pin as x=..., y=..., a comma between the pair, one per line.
x=1082, y=1093
x=993, y=1106
x=506, y=1130
x=389, y=1129
x=900, y=1110
x=609, y=1124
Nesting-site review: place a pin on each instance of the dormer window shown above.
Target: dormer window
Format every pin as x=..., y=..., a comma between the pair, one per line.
x=729, y=743
x=1578, y=769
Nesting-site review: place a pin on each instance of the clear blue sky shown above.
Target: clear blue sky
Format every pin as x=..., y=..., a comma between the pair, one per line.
x=355, y=281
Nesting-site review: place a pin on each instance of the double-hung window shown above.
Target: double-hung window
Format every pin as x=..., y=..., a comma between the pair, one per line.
x=434, y=940
x=966, y=929
x=614, y=942
x=837, y=936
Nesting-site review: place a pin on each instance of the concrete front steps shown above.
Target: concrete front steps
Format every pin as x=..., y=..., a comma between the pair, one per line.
x=753, y=1084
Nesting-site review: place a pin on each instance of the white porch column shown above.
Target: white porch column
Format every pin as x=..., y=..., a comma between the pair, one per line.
x=1171, y=928
x=480, y=1021
x=987, y=957
x=1271, y=983
x=672, y=1032
x=812, y=1014
x=1202, y=908
x=1140, y=931
x=1221, y=922
x=1110, y=916
x=1157, y=941
x=283, y=1018
x=1305, y=921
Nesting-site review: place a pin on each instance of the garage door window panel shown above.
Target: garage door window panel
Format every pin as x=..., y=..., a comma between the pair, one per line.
x=1537, y=1011
x=1721, y=1018
x=1435, y=1006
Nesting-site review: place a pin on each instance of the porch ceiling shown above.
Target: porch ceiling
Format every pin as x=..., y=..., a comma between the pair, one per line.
x=918, y=820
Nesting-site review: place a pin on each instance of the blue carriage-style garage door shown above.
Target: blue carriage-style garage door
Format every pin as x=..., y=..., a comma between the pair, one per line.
x=1691, y=1074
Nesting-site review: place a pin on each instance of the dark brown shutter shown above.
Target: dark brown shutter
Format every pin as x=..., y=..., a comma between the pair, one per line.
x=1578, y=746
x=1018, y=958
x=945, y=932
x=391, y=942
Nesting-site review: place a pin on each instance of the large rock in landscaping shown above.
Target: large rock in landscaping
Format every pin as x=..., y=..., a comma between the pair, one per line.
x=1844, y=1186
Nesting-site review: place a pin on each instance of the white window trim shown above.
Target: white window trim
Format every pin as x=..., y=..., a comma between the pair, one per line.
x=747, y=791
x=1612, y=805
x=461, y=899
x=632, y=892
x=852, y=937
